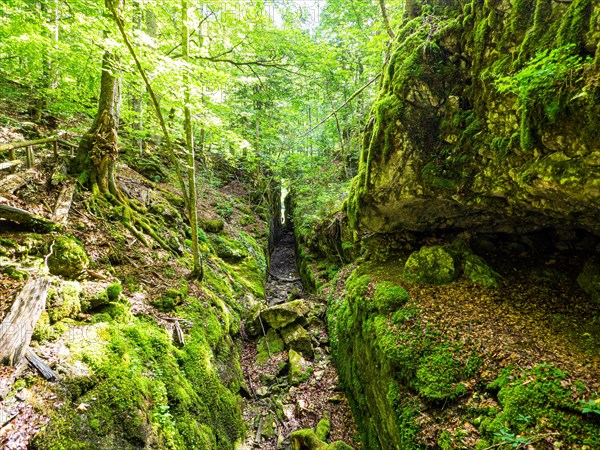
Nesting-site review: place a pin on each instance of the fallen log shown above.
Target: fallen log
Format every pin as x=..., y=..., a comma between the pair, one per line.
x=38, y=363
x=6, y=418
x=63, y=203
x=26, y=218
x=17, y=327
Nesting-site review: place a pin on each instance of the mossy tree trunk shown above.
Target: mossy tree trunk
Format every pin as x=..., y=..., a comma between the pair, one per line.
x=98, y=149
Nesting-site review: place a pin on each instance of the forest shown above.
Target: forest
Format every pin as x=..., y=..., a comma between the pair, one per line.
x=300, y=224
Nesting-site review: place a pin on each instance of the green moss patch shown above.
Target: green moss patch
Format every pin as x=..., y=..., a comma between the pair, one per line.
x=68, y=258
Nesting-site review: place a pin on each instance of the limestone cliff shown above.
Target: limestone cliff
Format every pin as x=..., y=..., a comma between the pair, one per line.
x=476, y=127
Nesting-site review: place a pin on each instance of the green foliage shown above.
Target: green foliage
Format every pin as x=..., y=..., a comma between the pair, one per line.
x=544, y=84
x=224, y=209
x=591, y=406
x=510, y=438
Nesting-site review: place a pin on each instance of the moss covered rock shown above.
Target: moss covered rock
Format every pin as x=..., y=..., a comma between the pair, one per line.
x=387, y=297
x=468, y=129
x=253, y=325
x=228, y=249
x=323, y=429
x=64, y=301
x=281, y=315
x=437, y=376
x=308, y=440
x=298, y=368
x=589, y=279
x=68, y=258
x=212, y=225
x=478, y=271
x=430, y=265
x=269, y=345
x=298, y=339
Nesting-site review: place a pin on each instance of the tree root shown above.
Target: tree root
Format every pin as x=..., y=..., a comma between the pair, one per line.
x=131, y=216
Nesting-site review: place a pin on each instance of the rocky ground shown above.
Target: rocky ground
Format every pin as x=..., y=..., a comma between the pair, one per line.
x=291, y=381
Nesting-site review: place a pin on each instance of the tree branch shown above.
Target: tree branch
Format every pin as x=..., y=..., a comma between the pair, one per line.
x=386, y=19
x=352, y=97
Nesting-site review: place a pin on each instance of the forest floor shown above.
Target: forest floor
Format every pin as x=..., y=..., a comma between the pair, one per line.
x=537, y=316
x=272, y=398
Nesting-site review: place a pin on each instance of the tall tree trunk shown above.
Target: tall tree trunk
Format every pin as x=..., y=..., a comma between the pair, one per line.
x=189, y=142
x=98, y=149
x=136, y=97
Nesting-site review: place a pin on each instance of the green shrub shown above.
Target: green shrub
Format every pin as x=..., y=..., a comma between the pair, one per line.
x=543, y=86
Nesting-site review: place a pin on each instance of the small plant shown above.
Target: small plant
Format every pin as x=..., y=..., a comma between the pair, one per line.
x=224, y=209
x=591, y=406
x=547, y=76
x=510, y=438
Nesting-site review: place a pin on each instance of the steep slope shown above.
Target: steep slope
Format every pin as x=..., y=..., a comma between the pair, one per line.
x=146, y=357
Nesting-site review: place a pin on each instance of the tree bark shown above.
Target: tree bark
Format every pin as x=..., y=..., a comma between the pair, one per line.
x=154, y=99
x=26, y=218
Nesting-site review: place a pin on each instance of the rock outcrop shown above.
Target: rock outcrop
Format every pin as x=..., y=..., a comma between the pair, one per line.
x=475, y=128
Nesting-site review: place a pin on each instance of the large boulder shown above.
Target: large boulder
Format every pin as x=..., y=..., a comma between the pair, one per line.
x=477, y=270
x=430, y=265
x=298, y=339
x=68, y=258
x=281, y=315
x=589, y=278
x=269, y=345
